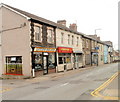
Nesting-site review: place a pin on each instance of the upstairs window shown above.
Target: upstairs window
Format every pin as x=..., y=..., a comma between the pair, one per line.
x=72, y=40
x=77, y=41
x=83, y=43
x=87, y=44
x=38, y=34
x=68, y=39
x=50, y=36
x=62, y=36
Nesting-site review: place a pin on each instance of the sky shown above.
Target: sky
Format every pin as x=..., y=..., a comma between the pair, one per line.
x=88, y=14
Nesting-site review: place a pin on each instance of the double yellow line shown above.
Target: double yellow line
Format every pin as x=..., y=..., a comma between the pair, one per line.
x=4, y=89
x=96, y=92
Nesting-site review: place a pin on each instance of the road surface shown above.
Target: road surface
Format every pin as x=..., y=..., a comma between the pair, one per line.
x=73, y=85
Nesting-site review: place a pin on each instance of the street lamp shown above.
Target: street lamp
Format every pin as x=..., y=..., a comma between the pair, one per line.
x=97, y=29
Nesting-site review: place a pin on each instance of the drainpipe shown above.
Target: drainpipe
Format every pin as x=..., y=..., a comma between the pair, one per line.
x=32, y=48
x=33, y=64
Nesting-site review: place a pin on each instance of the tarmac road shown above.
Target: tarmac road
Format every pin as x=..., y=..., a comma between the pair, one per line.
x=73, y=85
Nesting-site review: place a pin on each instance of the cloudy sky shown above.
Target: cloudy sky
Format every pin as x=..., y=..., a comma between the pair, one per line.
x=88, y=14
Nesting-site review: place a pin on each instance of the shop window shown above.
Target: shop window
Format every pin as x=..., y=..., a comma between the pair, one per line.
x=61, y=60
x=38, y=62
x=79, y=58
x=68, y=59
x=14, y=64
x=51, y=60
x=64, y=58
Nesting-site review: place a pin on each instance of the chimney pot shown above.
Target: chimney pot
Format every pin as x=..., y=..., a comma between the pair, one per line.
x=73, y=27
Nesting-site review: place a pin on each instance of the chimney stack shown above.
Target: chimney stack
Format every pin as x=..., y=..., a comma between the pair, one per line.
x=98, y=38
x=73, y=27
x=62, y=22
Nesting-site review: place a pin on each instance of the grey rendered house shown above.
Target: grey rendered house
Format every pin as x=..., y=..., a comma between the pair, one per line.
x=27, y=43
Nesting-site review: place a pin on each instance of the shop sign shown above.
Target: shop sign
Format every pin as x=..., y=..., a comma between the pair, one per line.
x=96, y=48
x=42, y=49
x=95, y=53
x=45, y=53
x=77, y=52
x=65, y=50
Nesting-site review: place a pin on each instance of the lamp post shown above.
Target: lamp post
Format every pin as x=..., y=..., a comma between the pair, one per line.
x=97, y=47
x=97, y=29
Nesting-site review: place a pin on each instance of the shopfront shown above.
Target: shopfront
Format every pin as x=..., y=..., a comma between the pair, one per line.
x=94, y=58
x=44, y=60
x=77, y=59
x=64, y=58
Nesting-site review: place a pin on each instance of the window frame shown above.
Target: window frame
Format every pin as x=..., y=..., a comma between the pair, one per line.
x=77, y=41
x=50, y=35
x=68, y=39
x=72, y=40
x=62, y=36
x=39, y=39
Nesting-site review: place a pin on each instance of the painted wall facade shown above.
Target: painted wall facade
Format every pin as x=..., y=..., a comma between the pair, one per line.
x=72, y=41
x=87, y=51
x=15, y=43
x=100, y=54
x=0, y=41
x=105, y=54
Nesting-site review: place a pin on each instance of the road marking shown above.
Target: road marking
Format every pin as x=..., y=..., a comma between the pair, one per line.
x=4, y=89
x=96, y=92
x=64, y=84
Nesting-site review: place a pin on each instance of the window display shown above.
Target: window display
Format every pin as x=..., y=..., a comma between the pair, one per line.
x=14, y=64
x=64, y=58
x=51, y=60
x=38, y=62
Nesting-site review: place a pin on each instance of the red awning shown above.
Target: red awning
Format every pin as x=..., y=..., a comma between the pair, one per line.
x=65, y=50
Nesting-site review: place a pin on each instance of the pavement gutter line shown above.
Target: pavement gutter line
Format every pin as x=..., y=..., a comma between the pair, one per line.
x=96, y=92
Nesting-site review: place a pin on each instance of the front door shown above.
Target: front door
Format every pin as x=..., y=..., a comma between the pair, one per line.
x=45, y=65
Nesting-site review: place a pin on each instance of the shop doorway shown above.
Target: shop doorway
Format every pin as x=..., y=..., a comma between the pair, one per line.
x=76, y=64
x=94, y=59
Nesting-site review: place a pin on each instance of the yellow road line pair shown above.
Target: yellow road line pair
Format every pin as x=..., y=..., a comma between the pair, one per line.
x=97, y=94
x=4, y=89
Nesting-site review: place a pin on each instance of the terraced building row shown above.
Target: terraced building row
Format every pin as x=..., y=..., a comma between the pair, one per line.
x=34, y=46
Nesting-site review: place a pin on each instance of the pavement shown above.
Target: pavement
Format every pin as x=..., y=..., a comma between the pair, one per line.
x=18, y=82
